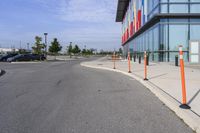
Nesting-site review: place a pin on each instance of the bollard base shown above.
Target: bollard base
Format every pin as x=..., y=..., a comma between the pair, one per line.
x=184, y=106
x=129, y=72
x=145, y=79
x=114, y=68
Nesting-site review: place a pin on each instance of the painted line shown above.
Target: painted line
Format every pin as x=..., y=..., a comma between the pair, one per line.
x=190, y=118
x=24, y=62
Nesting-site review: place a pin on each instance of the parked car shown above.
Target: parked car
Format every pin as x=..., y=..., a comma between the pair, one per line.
x=38, y=57
x=26, y=57
x=20, y=57
x=1, y=55
x=6, y=56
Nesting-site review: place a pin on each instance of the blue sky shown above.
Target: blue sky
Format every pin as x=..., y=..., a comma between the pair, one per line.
x=83, y=22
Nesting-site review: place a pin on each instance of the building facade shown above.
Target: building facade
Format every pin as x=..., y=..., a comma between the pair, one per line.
x=8, y=50
x=159, y=27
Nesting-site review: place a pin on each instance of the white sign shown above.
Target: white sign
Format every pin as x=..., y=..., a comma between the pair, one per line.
x=195, y=58
x=194, y=47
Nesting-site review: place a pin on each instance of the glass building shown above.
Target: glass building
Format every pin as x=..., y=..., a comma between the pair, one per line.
x=159, y=27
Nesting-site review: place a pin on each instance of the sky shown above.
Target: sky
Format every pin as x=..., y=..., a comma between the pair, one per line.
x=83, y=22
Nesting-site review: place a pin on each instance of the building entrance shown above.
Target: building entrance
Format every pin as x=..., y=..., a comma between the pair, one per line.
x=194, y=51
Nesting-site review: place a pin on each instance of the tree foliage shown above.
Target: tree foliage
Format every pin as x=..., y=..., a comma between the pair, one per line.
x=76, y=50
x=120, y=51
x=70, y=48
x=55, y=46
x=38, y=47
x=87, y=51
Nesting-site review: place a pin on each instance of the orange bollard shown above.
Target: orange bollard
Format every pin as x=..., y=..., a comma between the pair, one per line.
x=129, y=63
x=145, y=65
x=114, y=61
x=184, y=100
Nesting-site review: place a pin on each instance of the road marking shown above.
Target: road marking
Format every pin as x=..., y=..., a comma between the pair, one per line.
x=24, y=62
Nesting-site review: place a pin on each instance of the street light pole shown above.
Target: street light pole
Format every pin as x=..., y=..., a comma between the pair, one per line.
x=28, y=46
x=45, y=34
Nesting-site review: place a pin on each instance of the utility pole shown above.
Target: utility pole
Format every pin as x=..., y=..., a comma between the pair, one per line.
x=45, y=34
x=20, y=44
x=28, y=46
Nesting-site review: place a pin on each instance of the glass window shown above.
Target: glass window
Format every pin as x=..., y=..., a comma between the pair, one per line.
x=178, y=35
x=163, y=37
x=156, y=38
x=142, y=42
x=164, y=1
x=178, y=8
x=155, y=55
x=178, y=1
x=194, y=0
x=151, y=40
x=155, y=3
x=164, y=8
x=146, y=42
x=194, y=8
x=178, y=21
x=172, y=56
x=196, y=21
x=194, y=32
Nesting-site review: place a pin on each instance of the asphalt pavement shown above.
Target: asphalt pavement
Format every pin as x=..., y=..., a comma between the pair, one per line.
x=64, y=97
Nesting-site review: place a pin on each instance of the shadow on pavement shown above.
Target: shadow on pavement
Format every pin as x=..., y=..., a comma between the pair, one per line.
x=2, y=72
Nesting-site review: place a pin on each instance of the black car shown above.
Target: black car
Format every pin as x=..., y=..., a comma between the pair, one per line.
x=26, y=57
x=38, y=57
x=20, y=57
x=5, y=57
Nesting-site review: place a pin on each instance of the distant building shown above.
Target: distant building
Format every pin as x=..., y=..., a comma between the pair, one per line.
x=159, y=27
x=8, y=50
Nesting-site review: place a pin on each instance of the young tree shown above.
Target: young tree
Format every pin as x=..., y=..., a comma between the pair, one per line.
x=76, y=50
x=39, y=47
x=55, y=47
x=84, y=52
x=22, y=51
x=70, y=49
x=120, y=51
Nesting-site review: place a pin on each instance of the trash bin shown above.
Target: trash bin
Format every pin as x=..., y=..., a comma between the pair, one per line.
x=176, y=60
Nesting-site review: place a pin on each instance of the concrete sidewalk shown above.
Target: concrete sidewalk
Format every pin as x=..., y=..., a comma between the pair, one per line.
x=164, y=82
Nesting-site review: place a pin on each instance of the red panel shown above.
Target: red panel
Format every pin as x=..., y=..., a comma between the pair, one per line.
x=124, y=37
x=131, y=26
x=134, y=27
x=139, y=19
x=127, y=34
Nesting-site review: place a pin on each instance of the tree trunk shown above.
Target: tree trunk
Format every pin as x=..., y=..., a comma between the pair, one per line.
x=54, y=56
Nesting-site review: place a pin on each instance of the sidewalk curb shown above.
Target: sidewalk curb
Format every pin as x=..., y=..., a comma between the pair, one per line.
x=190, y=118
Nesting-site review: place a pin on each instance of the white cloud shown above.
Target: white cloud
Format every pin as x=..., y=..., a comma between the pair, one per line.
x=101, y=30
x=82, y=10
x=88, y=22
x=88, y=10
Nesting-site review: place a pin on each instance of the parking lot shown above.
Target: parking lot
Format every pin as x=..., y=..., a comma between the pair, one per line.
x=60, y=97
